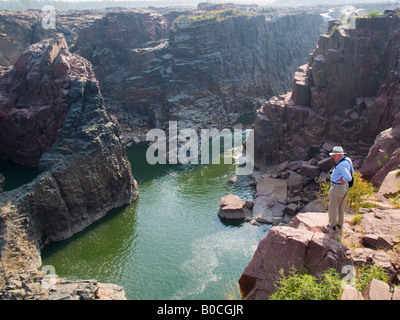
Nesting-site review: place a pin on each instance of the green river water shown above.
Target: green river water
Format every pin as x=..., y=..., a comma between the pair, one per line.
x=170, y=243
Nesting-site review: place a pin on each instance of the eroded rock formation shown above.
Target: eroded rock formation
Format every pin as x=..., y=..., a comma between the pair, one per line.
x=202, y=72
x=345, y=94
x=84, y=168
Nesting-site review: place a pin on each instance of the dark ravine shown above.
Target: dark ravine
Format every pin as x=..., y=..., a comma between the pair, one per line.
x=84, y=169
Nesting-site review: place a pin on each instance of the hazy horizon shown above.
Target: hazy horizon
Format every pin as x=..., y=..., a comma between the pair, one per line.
x=63, y=5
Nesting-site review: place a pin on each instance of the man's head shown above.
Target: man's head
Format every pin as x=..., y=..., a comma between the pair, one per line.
x=337, y=153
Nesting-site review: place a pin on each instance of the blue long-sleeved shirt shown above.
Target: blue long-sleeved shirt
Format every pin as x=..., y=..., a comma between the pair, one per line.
x=343, y=170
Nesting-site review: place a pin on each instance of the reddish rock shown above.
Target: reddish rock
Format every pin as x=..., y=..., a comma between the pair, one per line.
x=84, y=174
x=351, y=293
x=232, y=207
x=285, y=248
x=326, y=164
x=390, y=186
x=336, y=78
x=309, y=170
x=377, y=290
x=35, y=99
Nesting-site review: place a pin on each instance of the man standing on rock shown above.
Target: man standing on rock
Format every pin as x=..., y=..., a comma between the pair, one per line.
x=340, y=178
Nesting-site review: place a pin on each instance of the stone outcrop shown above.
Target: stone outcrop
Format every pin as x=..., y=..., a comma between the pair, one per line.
x=306, y=243
x=375, y=290
x=203, y=73
x=38, y=286
x=232, y=207
x=340, y=95
x=35, y=99
x=22, y=28
x=84, y=168
x=297, y=245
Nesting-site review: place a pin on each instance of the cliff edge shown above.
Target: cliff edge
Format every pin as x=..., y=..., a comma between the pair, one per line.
x=53, y=115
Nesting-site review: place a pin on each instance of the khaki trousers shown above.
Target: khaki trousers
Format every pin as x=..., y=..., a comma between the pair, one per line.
x=337, y=202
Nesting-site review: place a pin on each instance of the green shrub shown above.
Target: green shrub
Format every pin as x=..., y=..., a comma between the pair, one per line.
x=366, y=273
x=373, y=14
x=302, y=286
x=218, y=15
x=297, y=286
x=357, y=197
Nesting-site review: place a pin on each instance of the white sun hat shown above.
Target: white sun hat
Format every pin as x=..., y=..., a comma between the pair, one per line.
x=337, y=150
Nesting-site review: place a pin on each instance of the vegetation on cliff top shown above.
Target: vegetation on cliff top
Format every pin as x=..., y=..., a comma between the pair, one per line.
x=302, y=286
x=216, y=15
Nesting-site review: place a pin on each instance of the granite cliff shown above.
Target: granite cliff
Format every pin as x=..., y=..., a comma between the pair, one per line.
x=63, y=127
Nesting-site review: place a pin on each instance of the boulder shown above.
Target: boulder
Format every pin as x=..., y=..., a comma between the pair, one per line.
x=351, y=293
x=309, y=170
x=315, y=206
x=377, y=290
x=270, y=200
x=384, y=147
x=291, y=209
x=376, y=241
x=295, y=182
x=232, y=207
x=285, y=248
x=390, y=186
x=326, y=164
x=311, y=221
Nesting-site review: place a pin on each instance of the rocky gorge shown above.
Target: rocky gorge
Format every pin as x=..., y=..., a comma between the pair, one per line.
x=203, y=68
x=56, y=106
x=71, y=102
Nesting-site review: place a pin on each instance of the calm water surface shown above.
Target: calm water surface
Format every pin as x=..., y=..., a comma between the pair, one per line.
x=170, y=243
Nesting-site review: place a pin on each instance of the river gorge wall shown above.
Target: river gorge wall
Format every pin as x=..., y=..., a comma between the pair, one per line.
x=203, y=72
x=221, y=64
x=53, y=115
x=346, y=95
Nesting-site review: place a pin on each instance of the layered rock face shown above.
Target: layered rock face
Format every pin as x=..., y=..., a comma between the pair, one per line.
x=203, y=73
x=85, y=171
x=35, y=99
x=346, y=94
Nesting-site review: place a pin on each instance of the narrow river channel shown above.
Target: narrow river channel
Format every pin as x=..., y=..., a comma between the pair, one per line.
x=170, y=243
